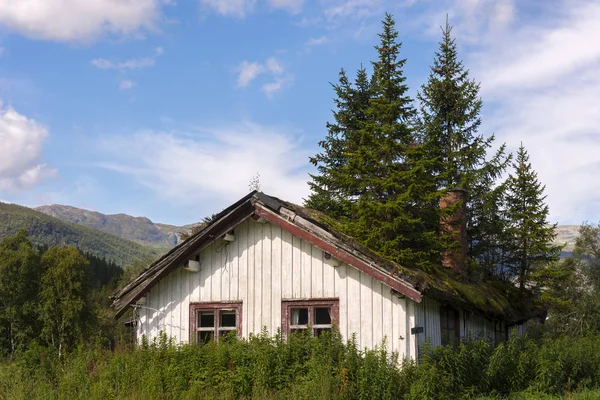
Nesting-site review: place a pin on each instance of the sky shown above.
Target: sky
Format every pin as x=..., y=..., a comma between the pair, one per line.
x=168, y=108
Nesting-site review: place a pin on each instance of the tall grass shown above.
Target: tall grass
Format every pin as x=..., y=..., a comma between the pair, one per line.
x=304, y=367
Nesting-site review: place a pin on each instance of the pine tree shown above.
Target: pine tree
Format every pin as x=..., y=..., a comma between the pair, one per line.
x=449, y=121
x=389, y=176
x=530, y=237
x=335, y=189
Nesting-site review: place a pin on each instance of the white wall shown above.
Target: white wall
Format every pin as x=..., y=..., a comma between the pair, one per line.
x=265, y=265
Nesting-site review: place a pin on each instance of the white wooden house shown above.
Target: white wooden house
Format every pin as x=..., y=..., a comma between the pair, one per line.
x=263, y=263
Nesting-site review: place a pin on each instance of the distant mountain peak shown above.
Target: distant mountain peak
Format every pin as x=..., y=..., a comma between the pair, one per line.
x=139, y=229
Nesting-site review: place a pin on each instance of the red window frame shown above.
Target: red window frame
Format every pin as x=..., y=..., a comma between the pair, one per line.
x=288, y=305
x=216, y=308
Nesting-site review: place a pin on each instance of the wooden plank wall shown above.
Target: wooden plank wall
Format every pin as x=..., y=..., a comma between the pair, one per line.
x=265, y=265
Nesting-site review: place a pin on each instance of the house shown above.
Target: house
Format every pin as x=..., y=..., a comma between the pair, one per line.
x=265, y=263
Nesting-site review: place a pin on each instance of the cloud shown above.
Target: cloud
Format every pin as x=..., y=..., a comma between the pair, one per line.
x=249, y=71
x=21, y=141
x=215, y=164
x=540, y=86
x=312, y=42
x=292, y=6
x=79, y=20
x=126, y=84
x=240, y=8
x=159, y=51
x=132, y=64
x=230, y=8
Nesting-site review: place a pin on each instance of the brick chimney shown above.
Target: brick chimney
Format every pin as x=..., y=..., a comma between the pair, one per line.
x=456, y=226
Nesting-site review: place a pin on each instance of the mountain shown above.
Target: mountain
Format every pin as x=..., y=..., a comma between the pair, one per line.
x=44, y=229
x=138, y=229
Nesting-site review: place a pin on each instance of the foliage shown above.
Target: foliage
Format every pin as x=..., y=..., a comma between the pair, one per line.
x=305, y=367
x=572, y=287
x=371, y=173
x=46, y=230
x=19, y=285
x=529, y=245
x=63, y=305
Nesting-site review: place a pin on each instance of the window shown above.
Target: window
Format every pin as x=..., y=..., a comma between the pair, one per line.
x=318, y=315
x=210, y=321
x=450, y=325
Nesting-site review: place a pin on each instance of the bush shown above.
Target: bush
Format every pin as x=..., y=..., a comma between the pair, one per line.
x=304, y=367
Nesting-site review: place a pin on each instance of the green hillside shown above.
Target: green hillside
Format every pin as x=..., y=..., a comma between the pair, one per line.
x=46, y=230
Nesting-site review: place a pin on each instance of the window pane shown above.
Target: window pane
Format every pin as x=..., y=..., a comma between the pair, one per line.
x=206, y=320
x=322, y=316
x=205, y=336
x=299, y=316
x=227, y=319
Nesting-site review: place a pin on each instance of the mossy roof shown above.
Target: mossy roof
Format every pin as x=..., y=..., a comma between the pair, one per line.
x=468, y=289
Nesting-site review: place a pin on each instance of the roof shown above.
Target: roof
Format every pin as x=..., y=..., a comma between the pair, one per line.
x=486, y=295
x=288, y=217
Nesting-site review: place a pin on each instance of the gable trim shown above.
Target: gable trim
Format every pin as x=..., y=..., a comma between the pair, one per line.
x=338, y=253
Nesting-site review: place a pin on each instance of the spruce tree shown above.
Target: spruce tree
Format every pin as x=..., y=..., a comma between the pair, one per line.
x=530, y=237
x=449, y=121
x=394, y=213
x=335, y=188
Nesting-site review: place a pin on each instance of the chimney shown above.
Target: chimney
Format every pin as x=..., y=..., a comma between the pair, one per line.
x=456, y=226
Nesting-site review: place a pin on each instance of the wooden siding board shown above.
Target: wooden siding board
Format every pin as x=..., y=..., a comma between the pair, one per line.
x=267, y=275
x=306, y=270
x=341, y=292
x=387, y=320
x=258, y=273
x=297, y=267
x=377, y=313
x=276, y=282
x=287, y=268
x=366, y=309
x=317, y=273
x=354, y=303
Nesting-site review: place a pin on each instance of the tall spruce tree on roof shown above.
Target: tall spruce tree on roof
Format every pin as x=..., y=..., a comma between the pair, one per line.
x=530, y=245
x=375, y=165
x=449, y=121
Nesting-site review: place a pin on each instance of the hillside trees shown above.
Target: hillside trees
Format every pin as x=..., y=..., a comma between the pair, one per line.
x=19, y=285
x=63, y=308
x=529, y=237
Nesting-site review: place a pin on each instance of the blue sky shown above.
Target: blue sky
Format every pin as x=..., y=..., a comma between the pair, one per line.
x=167, y=108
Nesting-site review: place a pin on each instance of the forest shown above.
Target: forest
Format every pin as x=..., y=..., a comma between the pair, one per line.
x=384, y=164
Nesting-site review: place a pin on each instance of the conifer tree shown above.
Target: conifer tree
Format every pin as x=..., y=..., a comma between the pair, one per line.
x=529, y=235
x=449, y=121
x=335, y=189
x=395, y=215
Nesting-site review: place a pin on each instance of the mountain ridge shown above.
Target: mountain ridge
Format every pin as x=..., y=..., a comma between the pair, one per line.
x=47, y=230
x=138, y=229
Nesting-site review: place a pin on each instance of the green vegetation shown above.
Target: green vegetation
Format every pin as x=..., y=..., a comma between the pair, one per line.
x=49, y=231
x=304, y=367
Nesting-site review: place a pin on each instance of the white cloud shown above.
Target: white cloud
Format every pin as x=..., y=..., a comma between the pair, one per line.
x=241, y=8
x=216, y=164
x=78, y=20
x=249, y=71
x=126, y=84
x=293, y=6
x=21, y=141
x=159, y=51
x=230, y=8
x=132, y=64
x=540, y=86
x=312, y=42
